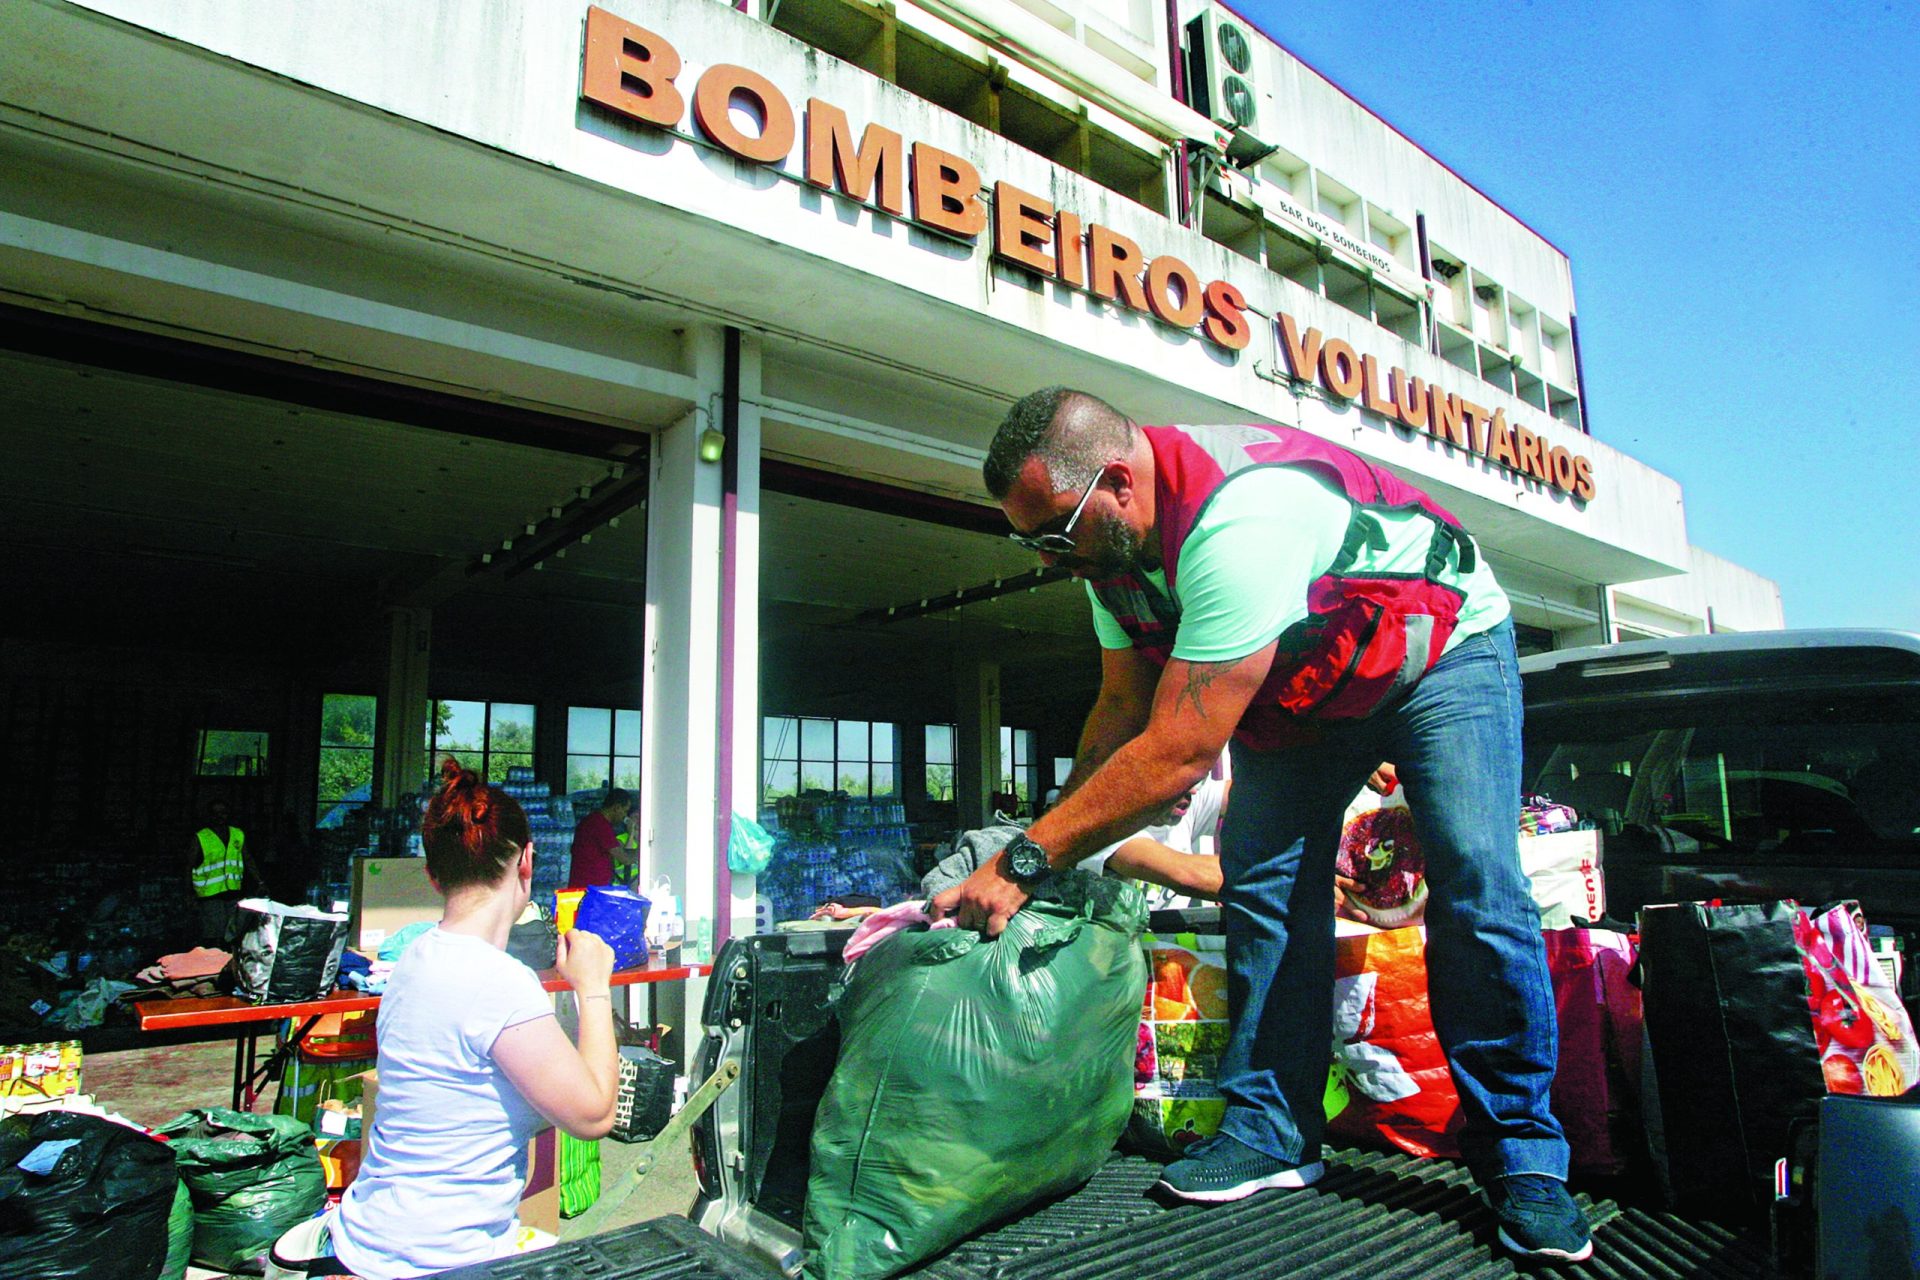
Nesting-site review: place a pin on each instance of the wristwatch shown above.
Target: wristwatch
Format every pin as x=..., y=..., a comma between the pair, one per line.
x=1027, y=862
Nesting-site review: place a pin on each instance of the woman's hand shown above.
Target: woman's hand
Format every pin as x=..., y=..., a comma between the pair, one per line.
x=585, y=961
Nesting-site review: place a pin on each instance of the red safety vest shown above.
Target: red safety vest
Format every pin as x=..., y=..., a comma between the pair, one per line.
x=1368, y=635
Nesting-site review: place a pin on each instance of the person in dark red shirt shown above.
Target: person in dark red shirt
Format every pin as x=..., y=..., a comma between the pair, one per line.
x=596, y=841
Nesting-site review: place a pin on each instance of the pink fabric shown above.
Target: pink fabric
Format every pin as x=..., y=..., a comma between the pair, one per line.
x=886, y=922
x=201, y=962
x=1600, y=1018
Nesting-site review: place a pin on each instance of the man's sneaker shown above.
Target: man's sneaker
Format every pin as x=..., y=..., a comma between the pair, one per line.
x=1224, y=1168
x=1538, y=1218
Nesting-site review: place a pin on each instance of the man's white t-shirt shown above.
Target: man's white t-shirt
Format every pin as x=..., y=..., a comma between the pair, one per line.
x=1196, y=831
x=443, y=1173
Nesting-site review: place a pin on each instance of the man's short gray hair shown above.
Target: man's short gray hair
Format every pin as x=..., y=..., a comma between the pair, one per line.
x=1074, y=435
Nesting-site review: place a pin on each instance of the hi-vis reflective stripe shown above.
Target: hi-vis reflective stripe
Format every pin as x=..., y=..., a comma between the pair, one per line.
x=221, y=867
x=625, y=874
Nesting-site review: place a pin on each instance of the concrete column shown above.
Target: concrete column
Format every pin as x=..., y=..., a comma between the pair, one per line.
x=976, y=739
x=403, y=703
x=743, y=450
x=690, y=682
x=680, y=703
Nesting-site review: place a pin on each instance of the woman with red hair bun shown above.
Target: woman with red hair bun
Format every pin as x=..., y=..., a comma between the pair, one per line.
x=472, y=1061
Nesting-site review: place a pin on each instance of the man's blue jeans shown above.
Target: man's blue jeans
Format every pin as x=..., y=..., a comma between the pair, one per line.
x=1455, y=739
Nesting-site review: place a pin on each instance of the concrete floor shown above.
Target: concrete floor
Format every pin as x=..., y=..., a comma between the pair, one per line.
x=154, y=1084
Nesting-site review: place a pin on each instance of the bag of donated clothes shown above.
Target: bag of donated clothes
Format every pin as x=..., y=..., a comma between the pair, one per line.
x=82, y=1198
x=975, y=1077
x=285, y=953
x=252, y=1177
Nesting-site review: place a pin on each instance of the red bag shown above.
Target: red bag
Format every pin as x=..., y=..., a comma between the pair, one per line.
x=1599, y=1014
x=1386, y=1051
x=1863, y=1034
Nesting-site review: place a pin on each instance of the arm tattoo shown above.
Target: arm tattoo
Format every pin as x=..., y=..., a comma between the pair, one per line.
x=1200, y=677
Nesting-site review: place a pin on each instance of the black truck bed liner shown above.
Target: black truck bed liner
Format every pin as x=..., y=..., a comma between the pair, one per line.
x=1373, y=1217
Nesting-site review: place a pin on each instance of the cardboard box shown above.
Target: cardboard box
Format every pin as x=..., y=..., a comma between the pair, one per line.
x=540, y=1201
x=388, y=895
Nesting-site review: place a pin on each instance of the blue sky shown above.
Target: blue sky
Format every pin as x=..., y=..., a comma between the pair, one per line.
x=1738, y=186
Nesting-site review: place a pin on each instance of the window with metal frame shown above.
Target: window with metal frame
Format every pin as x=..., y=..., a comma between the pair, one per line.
x=344, y=775
x=488, y=737
x=232, y=753
x=1016, y=763
x=811, y=753
x=603, y=748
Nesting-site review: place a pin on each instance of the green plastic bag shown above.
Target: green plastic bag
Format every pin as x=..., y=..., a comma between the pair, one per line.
x=749, y=846
x=975, y=1077
x=179, y=1235
x=579, y=1175
x=251, y=1177
x=306, y=1083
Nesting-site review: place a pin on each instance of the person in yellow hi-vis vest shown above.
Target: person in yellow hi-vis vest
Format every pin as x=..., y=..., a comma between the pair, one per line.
x=626, y=854
x=598, y=849
x=221, y=869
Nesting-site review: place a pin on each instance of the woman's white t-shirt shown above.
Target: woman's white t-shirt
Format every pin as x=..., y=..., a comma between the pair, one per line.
x=443, y=1172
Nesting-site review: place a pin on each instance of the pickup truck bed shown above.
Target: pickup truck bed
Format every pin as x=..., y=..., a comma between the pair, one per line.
x=1374, y=1217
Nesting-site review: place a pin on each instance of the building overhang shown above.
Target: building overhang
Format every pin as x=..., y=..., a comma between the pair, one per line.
x=454, y=139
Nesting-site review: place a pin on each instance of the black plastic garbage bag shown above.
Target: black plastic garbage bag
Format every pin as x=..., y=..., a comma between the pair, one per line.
x=975, y=1078
x=252, y=1178
x=82, y=1198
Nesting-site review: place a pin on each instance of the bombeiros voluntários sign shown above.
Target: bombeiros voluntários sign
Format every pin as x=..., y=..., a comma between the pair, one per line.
x=1420, y=406
x=634, y=72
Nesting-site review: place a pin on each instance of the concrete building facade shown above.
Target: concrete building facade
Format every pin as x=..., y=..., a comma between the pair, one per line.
x=713, y=311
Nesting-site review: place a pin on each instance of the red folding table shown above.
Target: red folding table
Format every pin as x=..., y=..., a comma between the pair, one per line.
x=251, y=1021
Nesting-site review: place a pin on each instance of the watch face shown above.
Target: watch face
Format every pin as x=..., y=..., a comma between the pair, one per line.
x=1026, y=859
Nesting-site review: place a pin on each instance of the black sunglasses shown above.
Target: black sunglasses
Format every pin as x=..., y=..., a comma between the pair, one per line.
x=1059, y=544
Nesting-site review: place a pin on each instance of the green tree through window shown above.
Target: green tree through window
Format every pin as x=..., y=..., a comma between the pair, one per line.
x=488, y=737
x=346, y=755
x=804, y=753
